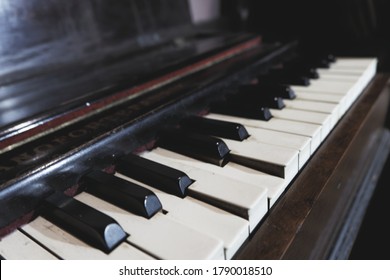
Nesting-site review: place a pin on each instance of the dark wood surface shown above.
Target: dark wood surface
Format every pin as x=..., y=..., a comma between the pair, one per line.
x=309, y=219
x=372, y=241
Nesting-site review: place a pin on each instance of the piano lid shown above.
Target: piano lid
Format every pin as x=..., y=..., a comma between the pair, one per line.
x=79, y=57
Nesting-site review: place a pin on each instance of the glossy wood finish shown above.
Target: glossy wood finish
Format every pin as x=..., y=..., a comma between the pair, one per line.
x=318, y=212
x=62, y=62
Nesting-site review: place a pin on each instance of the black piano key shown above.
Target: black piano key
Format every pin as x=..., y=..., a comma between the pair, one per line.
x=84, y=222
x=202, y=147
x=281, y=76
x=312, y=73
x=157, y=175
x=242, y=109
x=258, y=98
x=303, y=69
x=264, y=87
x=330, y=57
x=321, y=63
x=274, y=102
x=122, y=193
x=224, y=129
x=316, y=61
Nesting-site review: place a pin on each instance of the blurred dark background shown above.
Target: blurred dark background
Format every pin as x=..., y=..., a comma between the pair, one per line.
x=350, y=27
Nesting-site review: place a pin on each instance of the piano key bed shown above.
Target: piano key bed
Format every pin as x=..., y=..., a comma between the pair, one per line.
x=207, y=185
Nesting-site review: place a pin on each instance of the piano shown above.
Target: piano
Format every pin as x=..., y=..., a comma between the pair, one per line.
x=142, y=131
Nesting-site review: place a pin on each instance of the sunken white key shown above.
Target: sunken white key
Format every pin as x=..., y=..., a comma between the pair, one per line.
x=340, y=77
x=305, y=129
x=298, y=142
x=17, y=246
x=330, y=85
x=356, y=72
x=347, y=88
x=229, y=228
x=275, y=160
x=353, y=63
x=349, y=95
x=367, y=75
x=355, y=79
x=315, y=106
x=160, y=236
x=322, y=119
x=274, y=185
x=365, y=67
x=362, y=69
x=68, y=247
x=343, y=72
x=340, y=99
x=246, y=200
x=359, y=78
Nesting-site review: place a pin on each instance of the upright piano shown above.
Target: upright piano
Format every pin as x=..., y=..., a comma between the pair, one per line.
x=138, y=130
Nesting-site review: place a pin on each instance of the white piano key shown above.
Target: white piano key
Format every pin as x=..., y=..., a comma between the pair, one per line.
x=322, y=119
x=346, y=84
x=346, y=88
x=315, y=106
x=274, y=185
x=367, y=76
x=298, y=142
x=340, y=99
x=265, y=157
x=359, y=75
x=364, y=75
x=283, y=160
x=305, y=129
x=247, y=200
x=353, y=62
x=68, y=247
x=322, y=84
x=348, y=95
x=355, y=72
x=339, y=76
x=17, y=246
x=364, y=68
x=229, y=228
x=320, y=96
x=344, y=72
x=160, y=236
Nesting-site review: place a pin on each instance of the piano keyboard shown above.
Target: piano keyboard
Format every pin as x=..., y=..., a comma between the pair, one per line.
x=201, y=196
